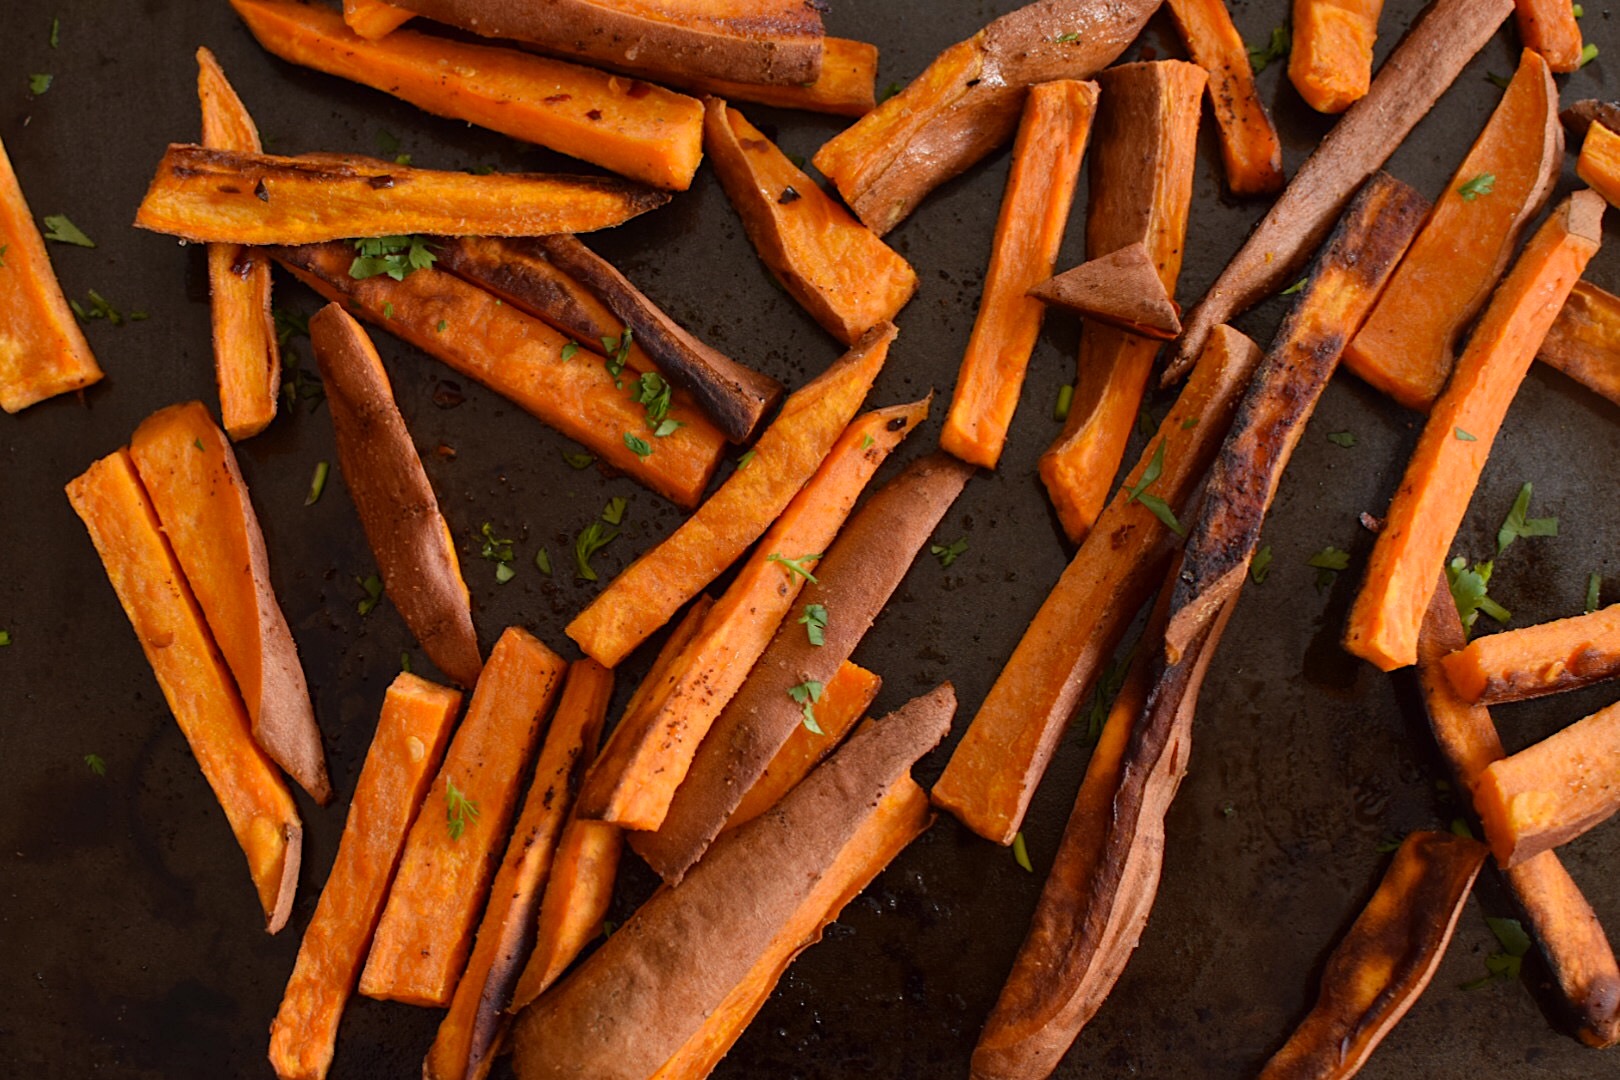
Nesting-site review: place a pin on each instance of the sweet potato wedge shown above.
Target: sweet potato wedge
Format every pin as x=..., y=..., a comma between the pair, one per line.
x=1533, y=661
x=1250, y=149
x=405, y=750
x=471, y=1032
x=247, y=361
x=738, y=399
x=1330, y=61
x=109, y=499
x=847, y=85
x=967, y=102
x=42, y=350
x=234, y=197
x=1427, y=60
x=630, y=127
x=1001, y=758
x=427, y=926
x=1405, y=348
x=374, y=19
x=1599, y=163
x=189, y=471
x=632, y=783
x=642, y=997
x=650, y=590
x=860, y=572
x=1122, y=289
x=1141, y=187
x=1051, y=140
x=759, y=41
x=1584, y=342
x=396, y=504
x=843, y=275
x=1579, y=117
x=521, y=359
x=1386, y=959
x=1549, y=27
x=1445, y=467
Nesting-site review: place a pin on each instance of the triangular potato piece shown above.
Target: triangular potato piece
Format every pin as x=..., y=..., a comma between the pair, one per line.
x=1123, y=288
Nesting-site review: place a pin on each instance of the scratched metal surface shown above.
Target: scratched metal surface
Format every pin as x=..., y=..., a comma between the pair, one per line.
x=129, y=935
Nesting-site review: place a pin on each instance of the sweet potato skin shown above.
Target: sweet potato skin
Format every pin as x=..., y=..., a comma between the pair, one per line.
x=1584, y=342
x=1250, y=148
x=847, y=85
x=1122, y=289
x=1534, y=661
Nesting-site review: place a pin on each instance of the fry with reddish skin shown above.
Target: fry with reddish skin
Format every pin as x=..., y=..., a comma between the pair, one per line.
x=1001, y=758
x=1122, y=289
x=109, y=499
x=1444, y=468
x=1599, y=163
x=1141, y=187
x=1029, y=230
x=1330, y=61
x=838, y=271
x=1549, y=27
x=1584, y=342
x=235, y=197
x=1533, y=661
x=1405, y=348
x=633, y=128
x=1579, y=117
x=42, y=350
x=1420, y=69
x=374, y=19
x=1385, y=961
x=189, y=471
x=860, y=572
x=650, y=590
x=846, y=86
x=1250, y=149
x=651, y=749
x=411, y=735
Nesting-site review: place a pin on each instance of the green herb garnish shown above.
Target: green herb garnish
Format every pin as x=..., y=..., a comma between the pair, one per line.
x=1483, y=184
x=807, y=694
x=591, y=539
x=1589, y=53
x=1468, y=592
x=568, y=350
x=5, y=638
x=1102, y=698
x=458, y=809
x=405, y=662
x=1260, y=565
x=948, y=553
x=63, y=231
x=95, y=764
x=579, y=459
x=1507, y=963
x=1155, y=505
x=493, y=547
x=317, y=483
x=38, y=84
x=1021, y=853
x=1517, y=524
x=373, y=587
x=639, y=446
x=797, y=565
x=1463, y=436
x=653, y=392
x=396, y=256
x=1065, y=401
x=1345, y=439
x=1594, y=585
x=1262, y=57
x=814, y=621
x=613, y=513
x=542, y=561
x=1296, y=287
x=1066, y=39
x=56, y=32
x=1328, y=562
x=618, y=351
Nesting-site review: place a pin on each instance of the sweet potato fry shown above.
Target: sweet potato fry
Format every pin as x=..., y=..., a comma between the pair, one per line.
x=42, y=350
x=108, y=497
x=845, y=87
x=1599, y=163
x=397, y=506
x=1141, y=186
x=1385, y=961
x=1444, y=469
x=1584, y=342
x=1426, y=61
x=1405, y=347
x=632, y=783
x=633, y=128
x=1533, y=661
x=247, y=362
x=649, y=991
x=967, y=102
x=651, y=589
x=471, y=1032
x=410, y=739
x=521, y=359
x=189, y=471
x=838, y=271
x=1549, y=27
x=1330, y=63
x=861, y=571
x=1122, y=289
x=1250, y=149
x=1051, y=140
x=427, y=926
x=234, y=197
x=1579, y=117
x=374, y=19
x=1000, y=759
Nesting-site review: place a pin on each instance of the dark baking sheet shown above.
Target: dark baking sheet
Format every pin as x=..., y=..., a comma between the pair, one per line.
x=130, y=940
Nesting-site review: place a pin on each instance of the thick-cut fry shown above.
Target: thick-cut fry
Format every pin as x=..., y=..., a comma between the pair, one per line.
x=398, y=509
x=1141, y=186
x=648, y=756
x=1444, y=469
x=108, y=497
x=1122, y=289
x=1599, y=163
x=630, y=127
x=1405, y=347
x=189, y=471
x=427, y=927
x=967, y=102
x=234, y=197
x=1034, y=213
x=521, y=359
x=1533, y=661
x=1386, y=960
x=411, y=735
x=1549, y=27
x=471, y=1032
x=847, y=85
x=1330, y=61
x=1554, y=791
x=1584, y=342
x=855, y=580
x=650, y=590
x=1426, y=61
x=42, y=350
x=374, y=19
x=1000, y=759
x=1579, y=117
x=835, y=267
x=1250, y=149
x=247, y=362
x=650, y=990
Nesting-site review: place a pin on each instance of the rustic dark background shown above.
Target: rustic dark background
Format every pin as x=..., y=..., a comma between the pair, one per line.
x=130, y=939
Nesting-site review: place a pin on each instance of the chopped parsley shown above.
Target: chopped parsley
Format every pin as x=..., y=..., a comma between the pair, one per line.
x=593, y=538
x=458, y=809
x=866, y=441
x=1517, y=524
x=396, y=256
x=807, y=694
x=568, y=350
x=197, y=443
x=5, y=638
x=443, y=326
x=639, y=446
x=889, y=91
x=1468, y=592
x=814, y=621
x=288, y=324
x=948, y=553
x=613, y=513
x=542, y=561
x=1507, y=963
x=388, y=309
x=38, y=84
x=317, y=483
x=99, y=307
x=618, y=351
x=56, y=32
x=1260, y=565
x=1263, y=56
x=1155, y=505
x=653, y=392
x=1463, y=436
x=1065, y=401
x=373, y=588
x=1328, y=562
x=1594, y=586
x=1345, y=439
x=1501, y=81
x=746, y=460
x=578, y=459
x=797, y=566
x=1067, y=39
x=1483, y=184
x=1296, y=287
x=1589, y=53
x=63, y=231
x=1102, y=698
x=405, y=662
x=95, y=764
x=3, y=249
x=1021, y=853
x=493, y=547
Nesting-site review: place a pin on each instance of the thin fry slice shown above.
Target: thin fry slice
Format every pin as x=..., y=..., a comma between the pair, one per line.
x=847, y=85
x=1330, y=62
x=1584, y=342
x=1250, y=148
x=1549, y=27
x=1533, y=661
x=374, y=19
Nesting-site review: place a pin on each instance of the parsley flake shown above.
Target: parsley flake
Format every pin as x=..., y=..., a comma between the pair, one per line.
x=613, y=513
x=1102, y=698
x=405, y=662
x=458, y=809
x=95, y=764
x=618, y=351
x=317, y=483
x=578, y=459
x=1483, y=184
x=288, y=324
x=1468, y=592
x=1296, y=287
x=1589, y=53
x=569, y=350
x=1501, y=81
x=1021, y=853
x=746, y=460
x=63, y=231
x=99, y=307
x=5, y=638
x=796, y=566
x=654, y=393
x=56, y=32
x=542, y=561
x=1517, y=524
x=1154, y=504
x=1345, y=439
x=3, y=249
x=1328, y=562
x=889, y=92
x=1463, y=436
x=1067, y=39
x=1263, y=56
x=948, y=553
x=640, y=447
x=396, y=256
x=504, y=573
x=1065, y=401
x=493, y=547
x=38, y=84
x=814, y=621
x=1507, y=963
x=593, y=538
x=1260, y=565
x=807, y=694
x=1594, y=586
x=373, y=588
